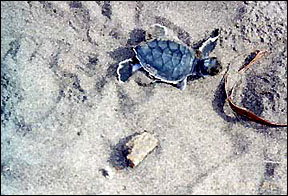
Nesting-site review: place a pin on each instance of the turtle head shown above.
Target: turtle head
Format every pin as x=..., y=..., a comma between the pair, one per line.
x=210, y=66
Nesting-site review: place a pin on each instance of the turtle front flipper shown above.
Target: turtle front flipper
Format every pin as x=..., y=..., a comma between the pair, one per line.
x=208, y=46
x=125, y=69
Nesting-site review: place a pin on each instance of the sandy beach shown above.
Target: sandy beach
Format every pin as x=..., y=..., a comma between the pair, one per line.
x=64, y=114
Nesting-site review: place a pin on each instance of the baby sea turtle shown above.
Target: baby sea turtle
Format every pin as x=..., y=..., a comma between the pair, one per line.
x=169, y=60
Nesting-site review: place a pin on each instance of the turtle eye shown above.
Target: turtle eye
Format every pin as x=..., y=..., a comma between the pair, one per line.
x=206, y=63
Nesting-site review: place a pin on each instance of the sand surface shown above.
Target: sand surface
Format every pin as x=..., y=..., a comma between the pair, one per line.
x=64, y=113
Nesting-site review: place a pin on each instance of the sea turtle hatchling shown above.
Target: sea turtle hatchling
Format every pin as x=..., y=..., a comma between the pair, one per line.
x=169, y=60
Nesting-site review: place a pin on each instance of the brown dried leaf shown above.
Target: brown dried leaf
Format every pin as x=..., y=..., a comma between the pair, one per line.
x=243, y=111
x=259, y=54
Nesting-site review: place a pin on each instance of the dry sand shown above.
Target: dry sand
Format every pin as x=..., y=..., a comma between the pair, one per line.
x=63, y=112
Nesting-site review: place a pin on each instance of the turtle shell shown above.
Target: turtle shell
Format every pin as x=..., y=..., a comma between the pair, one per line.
x=166, y=59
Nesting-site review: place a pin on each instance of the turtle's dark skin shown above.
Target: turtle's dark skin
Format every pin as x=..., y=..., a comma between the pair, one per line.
x=171, y=61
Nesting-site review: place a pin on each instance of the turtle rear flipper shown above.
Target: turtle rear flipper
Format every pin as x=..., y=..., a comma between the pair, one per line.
x=182, y=84
x=156, y=31
x=125, y=69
